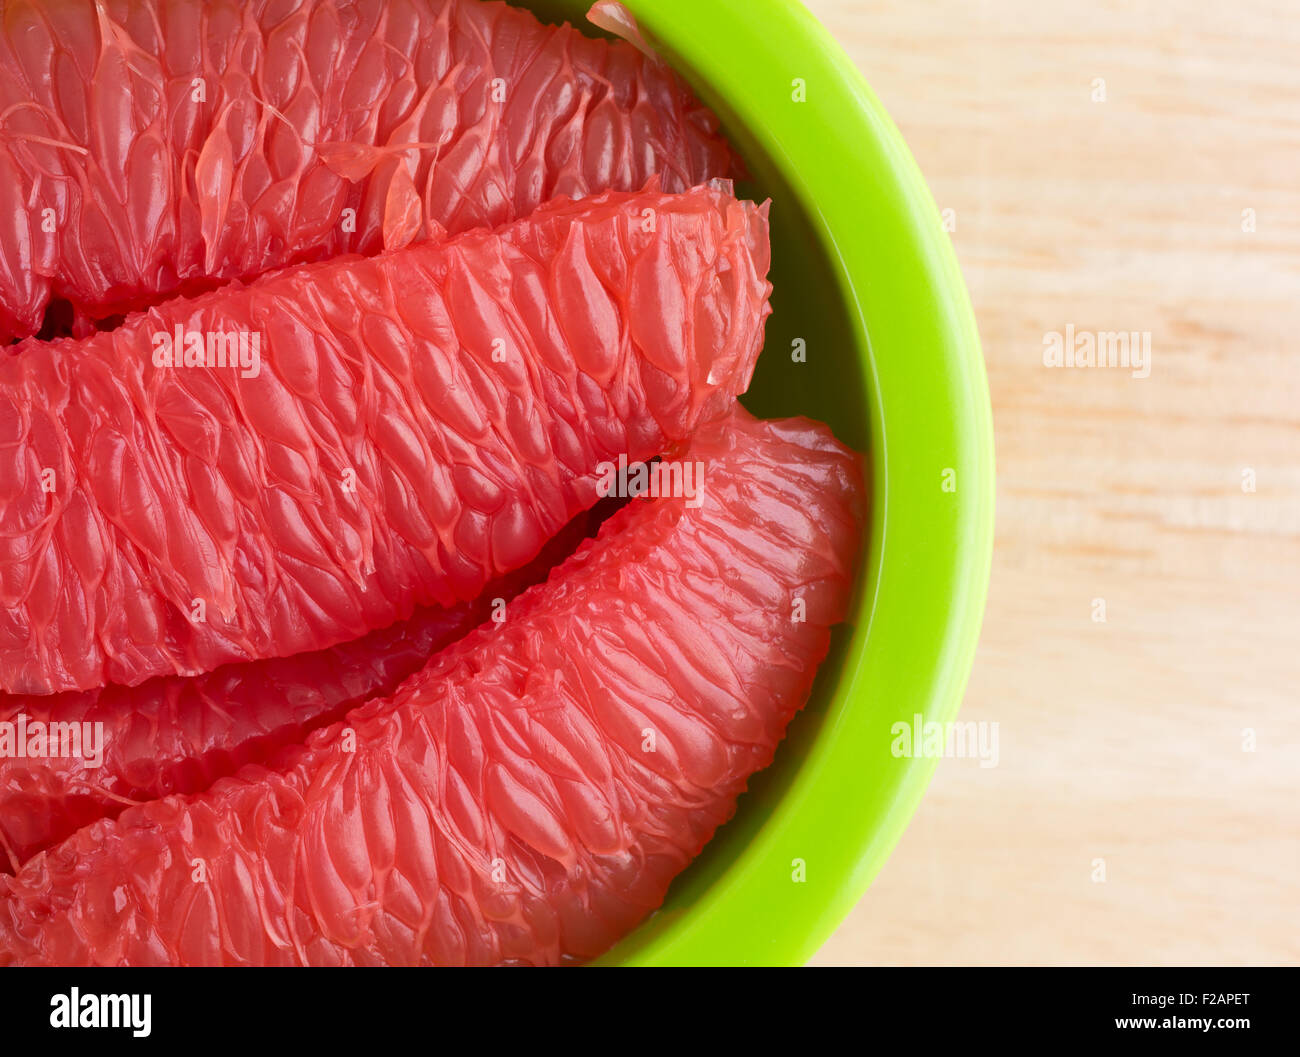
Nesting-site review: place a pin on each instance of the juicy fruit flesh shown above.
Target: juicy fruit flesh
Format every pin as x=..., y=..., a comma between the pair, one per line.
x=502, y=805
x=179, y=735
x=499, y=805
x=420, y=422
x=150, y=148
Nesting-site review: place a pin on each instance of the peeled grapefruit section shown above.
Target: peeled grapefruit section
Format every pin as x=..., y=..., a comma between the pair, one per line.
x=150, y=147
x=179, y=735
x=529, y=795
x=413, y=425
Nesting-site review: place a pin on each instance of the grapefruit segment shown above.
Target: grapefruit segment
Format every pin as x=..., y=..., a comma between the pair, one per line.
x=529, y=795
x=150, y=148
x=413, y=425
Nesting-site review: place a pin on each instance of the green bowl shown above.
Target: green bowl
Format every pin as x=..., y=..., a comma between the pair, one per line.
x=866, y=278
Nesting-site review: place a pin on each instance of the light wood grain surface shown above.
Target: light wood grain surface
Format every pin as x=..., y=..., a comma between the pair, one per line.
x=1126, y=741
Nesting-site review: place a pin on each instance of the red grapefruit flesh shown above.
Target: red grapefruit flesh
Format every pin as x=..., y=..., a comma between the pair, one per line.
x=150, y=147
x=179, y=735
x=418, y=423
x=529, y=795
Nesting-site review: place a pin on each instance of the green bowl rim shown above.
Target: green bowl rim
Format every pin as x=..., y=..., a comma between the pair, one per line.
x=930, y=546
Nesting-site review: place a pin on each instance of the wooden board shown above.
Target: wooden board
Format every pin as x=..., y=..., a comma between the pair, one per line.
x=1126, y=740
